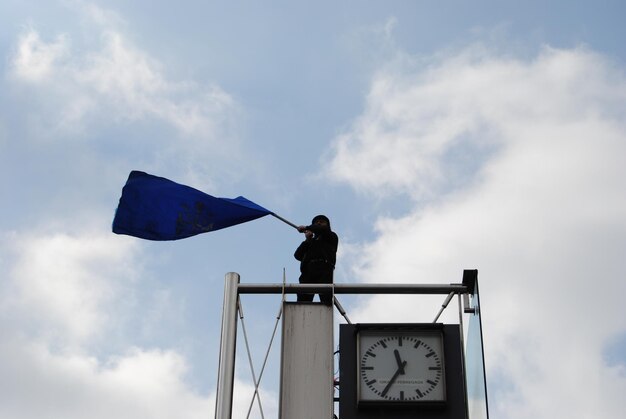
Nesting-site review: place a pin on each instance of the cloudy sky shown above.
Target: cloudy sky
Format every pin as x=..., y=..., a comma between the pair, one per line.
x=437, y=136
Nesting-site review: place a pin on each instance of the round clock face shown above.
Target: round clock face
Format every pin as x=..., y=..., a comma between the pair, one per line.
x=401, y=367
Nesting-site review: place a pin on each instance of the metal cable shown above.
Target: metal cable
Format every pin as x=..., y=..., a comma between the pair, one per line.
x=256, y=388
x=256, y=383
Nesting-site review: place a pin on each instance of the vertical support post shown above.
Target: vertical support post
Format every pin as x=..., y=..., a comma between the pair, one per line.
x=306, y=384
x=226, y=369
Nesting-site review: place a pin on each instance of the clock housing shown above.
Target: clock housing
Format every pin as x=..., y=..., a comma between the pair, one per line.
x=353, y=344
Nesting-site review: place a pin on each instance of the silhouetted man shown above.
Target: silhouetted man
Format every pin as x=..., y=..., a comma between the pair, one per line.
x=317, y=255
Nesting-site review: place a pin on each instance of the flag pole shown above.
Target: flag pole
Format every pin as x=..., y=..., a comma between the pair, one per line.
x=284, y=221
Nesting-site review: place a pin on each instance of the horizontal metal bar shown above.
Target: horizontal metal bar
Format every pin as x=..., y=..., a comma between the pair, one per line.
x=352, y=288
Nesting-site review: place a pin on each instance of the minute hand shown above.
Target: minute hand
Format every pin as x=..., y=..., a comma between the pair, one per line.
x=399, y=371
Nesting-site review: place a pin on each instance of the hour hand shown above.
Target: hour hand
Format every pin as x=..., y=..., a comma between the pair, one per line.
x=399, y=371
x=399, y=361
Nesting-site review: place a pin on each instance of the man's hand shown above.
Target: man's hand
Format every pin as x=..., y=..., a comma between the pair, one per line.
x=307, y=233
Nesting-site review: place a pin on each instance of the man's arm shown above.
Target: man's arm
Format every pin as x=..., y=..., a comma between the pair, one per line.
x=301, y=250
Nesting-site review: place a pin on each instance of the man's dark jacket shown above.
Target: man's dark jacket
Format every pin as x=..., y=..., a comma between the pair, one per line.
x=318, y=255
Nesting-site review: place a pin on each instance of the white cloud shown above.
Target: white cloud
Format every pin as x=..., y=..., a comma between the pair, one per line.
x=119, y=79
x=35, y=60
x=66, y=285
x=61, y=295
x=139, y=384
x=133, y=82
x=421, y=126
x=98, y=80
x=538, y=208
x=64, y=295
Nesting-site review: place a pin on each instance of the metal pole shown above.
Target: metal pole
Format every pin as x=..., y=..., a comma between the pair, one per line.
x=341, y=310
x=284, y=220
x=443, y=306
x=352, y=288
x=226, y=369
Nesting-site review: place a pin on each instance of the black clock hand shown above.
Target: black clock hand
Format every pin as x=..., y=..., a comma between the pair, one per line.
x=399, y=361
x=393, y=379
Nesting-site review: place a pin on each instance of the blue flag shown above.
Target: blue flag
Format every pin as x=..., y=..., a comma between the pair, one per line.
x=155, y=208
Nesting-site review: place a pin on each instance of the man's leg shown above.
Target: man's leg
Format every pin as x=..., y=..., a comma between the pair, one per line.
x=326, y=299
x=327, y=278
x=305, y=297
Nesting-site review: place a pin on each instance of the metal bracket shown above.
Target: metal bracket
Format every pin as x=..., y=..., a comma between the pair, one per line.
x=467, y=309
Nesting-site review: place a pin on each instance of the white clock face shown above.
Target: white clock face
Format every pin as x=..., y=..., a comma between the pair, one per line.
x=401, y=366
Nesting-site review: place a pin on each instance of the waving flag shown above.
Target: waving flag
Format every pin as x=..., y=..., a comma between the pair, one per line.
x=155, y=208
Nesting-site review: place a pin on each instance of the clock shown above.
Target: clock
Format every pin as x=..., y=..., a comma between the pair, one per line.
x=400, y=366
